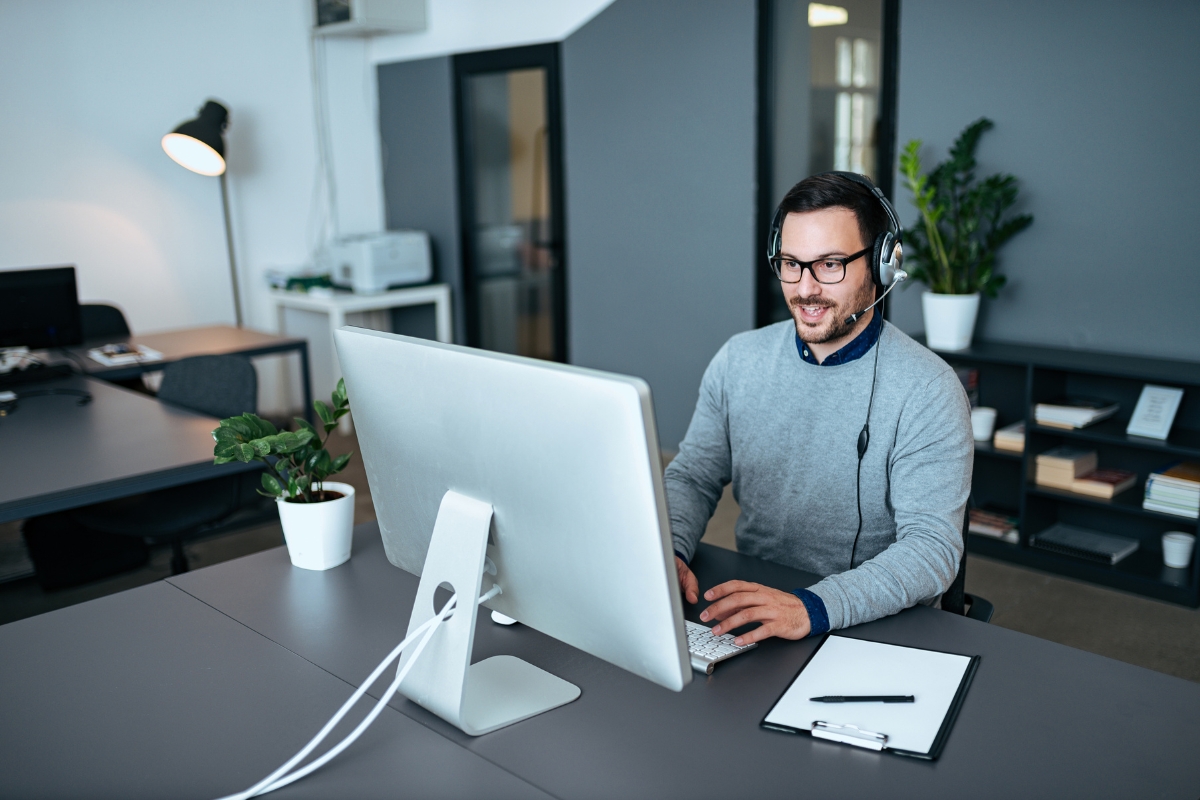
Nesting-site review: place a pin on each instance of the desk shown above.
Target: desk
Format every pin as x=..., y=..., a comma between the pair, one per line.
x=59, y=455
x=214, y=340
x=151, y=693
x=1041, y=719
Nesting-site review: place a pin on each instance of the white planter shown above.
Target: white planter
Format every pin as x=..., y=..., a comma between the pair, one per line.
x=318, y=534
x=949, y=319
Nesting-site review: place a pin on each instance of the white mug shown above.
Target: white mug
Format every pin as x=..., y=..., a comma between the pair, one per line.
x=1177, y=548
x=983, y=422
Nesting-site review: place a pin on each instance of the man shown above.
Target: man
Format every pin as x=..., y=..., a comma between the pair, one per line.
x=780, y=415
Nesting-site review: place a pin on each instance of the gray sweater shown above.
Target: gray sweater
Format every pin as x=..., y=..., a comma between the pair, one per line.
x=785, y=433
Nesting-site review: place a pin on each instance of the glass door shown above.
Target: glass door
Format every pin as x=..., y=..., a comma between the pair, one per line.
x=510, y=200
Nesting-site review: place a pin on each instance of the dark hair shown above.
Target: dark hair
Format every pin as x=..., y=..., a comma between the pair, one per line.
x=835, y=191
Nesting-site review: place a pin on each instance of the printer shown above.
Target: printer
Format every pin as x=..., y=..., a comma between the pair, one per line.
x=371, y=263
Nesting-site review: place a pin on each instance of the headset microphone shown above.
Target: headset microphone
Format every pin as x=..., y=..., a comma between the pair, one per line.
x=899, y=276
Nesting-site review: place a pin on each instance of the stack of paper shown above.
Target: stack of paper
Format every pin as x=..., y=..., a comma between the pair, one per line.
x=997, y=526
x=1174, y=490
x=1010, y=437
x=1074, y=412
x=1058, y=468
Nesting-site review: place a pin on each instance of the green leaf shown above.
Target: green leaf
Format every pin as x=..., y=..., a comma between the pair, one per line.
x=339, y=394
x=340, y=463
x=324, y=412
x=272, y=485
x=304, y=425
x=244, y=452
x=262, y=447
x=293, y=487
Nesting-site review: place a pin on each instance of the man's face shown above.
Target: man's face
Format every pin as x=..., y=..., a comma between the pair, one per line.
x=820, y=309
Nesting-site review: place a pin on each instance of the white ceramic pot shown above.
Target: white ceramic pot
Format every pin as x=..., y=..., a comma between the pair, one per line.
x=318, y=534
x=949, y=319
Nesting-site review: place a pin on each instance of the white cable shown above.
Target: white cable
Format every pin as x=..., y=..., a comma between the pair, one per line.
x=428, y=628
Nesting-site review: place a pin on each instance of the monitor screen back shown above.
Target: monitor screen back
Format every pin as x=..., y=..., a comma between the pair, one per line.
x=39, y=308
x=567, y=457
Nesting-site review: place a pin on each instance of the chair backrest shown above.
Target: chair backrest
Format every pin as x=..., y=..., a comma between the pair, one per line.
x=954, y=600
x=100, y=321
x=219, y=386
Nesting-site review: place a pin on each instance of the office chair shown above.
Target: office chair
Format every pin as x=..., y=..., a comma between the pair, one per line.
x=218, y=386
x=956, y=600
x=101, y=321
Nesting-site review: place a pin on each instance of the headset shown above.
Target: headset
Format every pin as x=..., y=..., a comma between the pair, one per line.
x=887, y=255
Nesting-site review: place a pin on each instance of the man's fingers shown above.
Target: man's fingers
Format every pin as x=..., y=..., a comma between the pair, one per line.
x=687, y=581
x=743, y=617
x=729, y=587
x=764, y=631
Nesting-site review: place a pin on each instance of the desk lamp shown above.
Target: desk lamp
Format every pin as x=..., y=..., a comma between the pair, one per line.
x=199, y=145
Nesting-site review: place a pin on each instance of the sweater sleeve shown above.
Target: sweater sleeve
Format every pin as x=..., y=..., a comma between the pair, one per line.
x=929, y=482
x=696, y=477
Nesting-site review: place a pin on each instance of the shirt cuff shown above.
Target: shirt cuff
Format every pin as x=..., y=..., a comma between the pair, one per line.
x=818, y=618
x=681, y=557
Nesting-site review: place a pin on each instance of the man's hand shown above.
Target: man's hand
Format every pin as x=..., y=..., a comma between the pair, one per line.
x=687, y=581
x=737, y=603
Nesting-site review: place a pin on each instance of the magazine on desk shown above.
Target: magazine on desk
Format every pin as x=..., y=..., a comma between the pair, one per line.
x=121, y=355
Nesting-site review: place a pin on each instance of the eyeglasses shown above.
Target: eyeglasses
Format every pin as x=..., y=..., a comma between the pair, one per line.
x=824, y=270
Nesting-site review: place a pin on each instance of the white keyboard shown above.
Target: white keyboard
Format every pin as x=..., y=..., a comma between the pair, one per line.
x=707, y=650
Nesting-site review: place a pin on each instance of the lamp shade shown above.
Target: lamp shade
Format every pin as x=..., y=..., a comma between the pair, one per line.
x=199, y=144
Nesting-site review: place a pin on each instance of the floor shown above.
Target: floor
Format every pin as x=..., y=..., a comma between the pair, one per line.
x=1149, y=633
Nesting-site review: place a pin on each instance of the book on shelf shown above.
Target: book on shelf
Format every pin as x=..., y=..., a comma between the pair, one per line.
x=1104, y=483
x=1060, y=466
x=1104, y=548
x=1074, y=412
x=1174, y=490
x=994, y=525
x=1010, y=437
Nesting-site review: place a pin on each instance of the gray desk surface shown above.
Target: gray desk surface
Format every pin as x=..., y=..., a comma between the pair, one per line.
x=151, y=693
x=1041, y=719
x=58, y=454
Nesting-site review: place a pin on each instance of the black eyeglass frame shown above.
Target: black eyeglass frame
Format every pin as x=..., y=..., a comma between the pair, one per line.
x=809, y=266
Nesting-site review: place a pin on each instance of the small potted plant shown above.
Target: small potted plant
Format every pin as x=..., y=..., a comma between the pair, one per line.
x=317, y=514
x=952, y=249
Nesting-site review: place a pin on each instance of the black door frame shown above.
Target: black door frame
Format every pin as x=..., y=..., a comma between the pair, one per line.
x=466, y=65
x=885, y=154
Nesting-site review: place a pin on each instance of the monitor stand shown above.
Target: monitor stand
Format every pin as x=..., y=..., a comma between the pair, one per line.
x=476, y=698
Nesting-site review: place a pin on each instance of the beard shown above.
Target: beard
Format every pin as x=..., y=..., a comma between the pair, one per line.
x=835, y=325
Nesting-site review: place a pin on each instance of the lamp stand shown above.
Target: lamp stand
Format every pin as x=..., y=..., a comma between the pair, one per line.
x=233, y=275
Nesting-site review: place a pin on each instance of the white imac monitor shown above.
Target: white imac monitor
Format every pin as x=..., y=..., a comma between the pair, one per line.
x=545, y=479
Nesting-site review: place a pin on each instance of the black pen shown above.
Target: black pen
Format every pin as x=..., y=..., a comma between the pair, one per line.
x=865, y=698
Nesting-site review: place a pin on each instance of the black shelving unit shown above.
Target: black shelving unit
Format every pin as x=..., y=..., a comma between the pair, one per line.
x=1013, y=379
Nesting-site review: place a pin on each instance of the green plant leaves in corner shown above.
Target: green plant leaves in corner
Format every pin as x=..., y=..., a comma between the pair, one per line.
x=962, y=225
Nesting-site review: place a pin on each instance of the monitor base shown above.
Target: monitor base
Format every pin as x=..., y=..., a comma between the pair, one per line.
x=475, y=698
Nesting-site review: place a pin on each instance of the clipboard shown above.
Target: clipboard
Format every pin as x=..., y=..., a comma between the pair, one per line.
x=841, y=665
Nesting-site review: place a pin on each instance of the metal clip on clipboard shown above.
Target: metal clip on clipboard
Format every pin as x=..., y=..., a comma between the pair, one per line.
x=849, y=734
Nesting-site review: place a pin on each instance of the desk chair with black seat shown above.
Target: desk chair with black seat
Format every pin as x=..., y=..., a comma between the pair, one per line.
x=218, y=386
x=956, y=600
x=100, y=321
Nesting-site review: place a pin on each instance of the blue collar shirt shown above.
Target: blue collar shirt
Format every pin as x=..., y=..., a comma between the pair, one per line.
x=858, y=347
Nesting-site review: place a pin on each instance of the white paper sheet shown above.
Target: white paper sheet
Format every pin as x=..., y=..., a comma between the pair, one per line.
x=845, y=666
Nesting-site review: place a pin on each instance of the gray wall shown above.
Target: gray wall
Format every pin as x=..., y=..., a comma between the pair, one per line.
x=1096, y=112
x=658, y=100
x=416, y=126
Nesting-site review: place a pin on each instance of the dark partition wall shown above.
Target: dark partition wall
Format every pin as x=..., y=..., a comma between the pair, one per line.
x=659, y=128
x=1095, y=111
x=416, y=126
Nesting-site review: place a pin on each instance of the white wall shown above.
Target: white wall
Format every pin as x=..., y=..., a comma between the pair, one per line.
x=88, y=91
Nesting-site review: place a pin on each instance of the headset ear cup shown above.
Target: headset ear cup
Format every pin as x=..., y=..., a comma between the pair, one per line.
x=881, y=269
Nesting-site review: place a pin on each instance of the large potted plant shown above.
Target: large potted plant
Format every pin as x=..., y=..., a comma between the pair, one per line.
x=317, y=514
x=952, y=249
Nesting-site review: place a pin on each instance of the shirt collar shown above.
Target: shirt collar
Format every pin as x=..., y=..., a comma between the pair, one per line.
x=858, y=347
